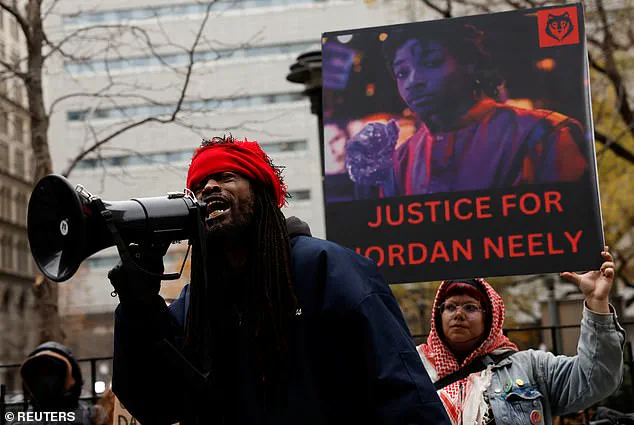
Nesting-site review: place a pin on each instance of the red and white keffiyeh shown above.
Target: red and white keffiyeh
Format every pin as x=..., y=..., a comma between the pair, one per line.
x=440, y=361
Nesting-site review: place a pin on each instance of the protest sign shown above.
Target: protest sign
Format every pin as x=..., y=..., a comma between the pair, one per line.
x=463, y=147
x=121, y=416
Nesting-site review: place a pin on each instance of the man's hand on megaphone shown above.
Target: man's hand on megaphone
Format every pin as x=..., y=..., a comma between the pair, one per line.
x=132, y=283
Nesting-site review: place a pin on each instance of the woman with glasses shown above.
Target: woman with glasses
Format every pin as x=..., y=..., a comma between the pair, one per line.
x=482, y=377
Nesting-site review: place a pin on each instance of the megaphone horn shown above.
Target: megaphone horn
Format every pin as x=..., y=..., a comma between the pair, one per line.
x=66, y=225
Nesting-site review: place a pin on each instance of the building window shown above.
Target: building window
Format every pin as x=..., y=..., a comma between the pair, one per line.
x=15, y=91
x=4, y=156
x=76, y=115
x=182, y=59
x=281, y=147
x=18, y=162
x=6, y=203
x=89, y=18
x=3, y=249
x=24, y=97
x=209, y=105
x=183, y=157
x=20, y=208
x=7, y=253
x=300, y=195
x=18, y=125
x=4, y=122
x=28, y=172
x=101, y=262
x=15, y=59
x=23, y=257
x=15, y=32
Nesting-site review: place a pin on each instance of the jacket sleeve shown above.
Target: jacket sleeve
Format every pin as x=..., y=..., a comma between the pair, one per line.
x=563, y=153
x=399, y=387
x=144, y=379
x=367, y=361
x=575, y=383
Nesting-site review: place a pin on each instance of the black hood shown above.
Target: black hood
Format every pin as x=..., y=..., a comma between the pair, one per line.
x=297, y=227
x=38, y=383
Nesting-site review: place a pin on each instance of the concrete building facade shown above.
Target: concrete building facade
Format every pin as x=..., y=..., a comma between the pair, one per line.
x=18, y=331
x=237, y=86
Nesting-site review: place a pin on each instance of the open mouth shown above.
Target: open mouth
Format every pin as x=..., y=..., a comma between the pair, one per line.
x=216, y=208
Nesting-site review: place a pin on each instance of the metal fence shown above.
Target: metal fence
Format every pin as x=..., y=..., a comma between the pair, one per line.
x=12, y=399
x=12, y=396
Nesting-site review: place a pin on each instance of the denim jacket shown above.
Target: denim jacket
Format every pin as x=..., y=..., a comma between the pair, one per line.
x=531, y=386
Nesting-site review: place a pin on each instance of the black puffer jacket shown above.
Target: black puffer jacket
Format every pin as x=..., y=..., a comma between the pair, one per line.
x=352, y=359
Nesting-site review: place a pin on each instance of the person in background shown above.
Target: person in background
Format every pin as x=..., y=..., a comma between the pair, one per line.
x=483, y=379
x=53, y=381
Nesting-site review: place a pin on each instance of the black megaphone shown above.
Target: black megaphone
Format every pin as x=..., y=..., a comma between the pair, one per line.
x=66, y=225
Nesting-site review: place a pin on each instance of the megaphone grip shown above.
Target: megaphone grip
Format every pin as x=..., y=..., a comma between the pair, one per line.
x=133, y=283
x=133, y=286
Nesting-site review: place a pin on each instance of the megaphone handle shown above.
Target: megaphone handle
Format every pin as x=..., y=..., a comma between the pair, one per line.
x=124, y=253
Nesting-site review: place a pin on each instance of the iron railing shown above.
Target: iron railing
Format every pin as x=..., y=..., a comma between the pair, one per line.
x=18, y=402
x=21, y=402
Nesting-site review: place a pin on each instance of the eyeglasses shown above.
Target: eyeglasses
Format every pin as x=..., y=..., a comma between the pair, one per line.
x=469, y=309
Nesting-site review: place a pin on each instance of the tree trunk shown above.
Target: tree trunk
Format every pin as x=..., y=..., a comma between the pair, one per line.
x=45, y=291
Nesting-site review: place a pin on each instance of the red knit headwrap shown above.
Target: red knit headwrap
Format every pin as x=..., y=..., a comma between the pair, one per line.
x=243, y=157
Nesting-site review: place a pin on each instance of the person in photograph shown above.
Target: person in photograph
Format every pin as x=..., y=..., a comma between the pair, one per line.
x=466, y=139
x=335, y=137
x=481, y=376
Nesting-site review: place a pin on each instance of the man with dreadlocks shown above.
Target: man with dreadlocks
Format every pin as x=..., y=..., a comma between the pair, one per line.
x=276, y=327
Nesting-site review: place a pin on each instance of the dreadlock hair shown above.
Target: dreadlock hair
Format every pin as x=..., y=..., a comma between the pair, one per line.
x=269, y=299
x=466, y=43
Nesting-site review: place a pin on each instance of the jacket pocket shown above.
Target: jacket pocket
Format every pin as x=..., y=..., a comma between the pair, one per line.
x=525, y=405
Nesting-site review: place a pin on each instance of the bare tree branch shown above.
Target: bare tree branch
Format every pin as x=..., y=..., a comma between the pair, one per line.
x=13, y=11
x=611, y=69
x=444, y=12
x=191, y=62
x=12, y=69
x=618, y=149
x=105, y=140
x=112, y=98
x=85, y=44
x=517, y=5
x=48, y=11
x=170, y=119
x=57, y=47
x=595, y=65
